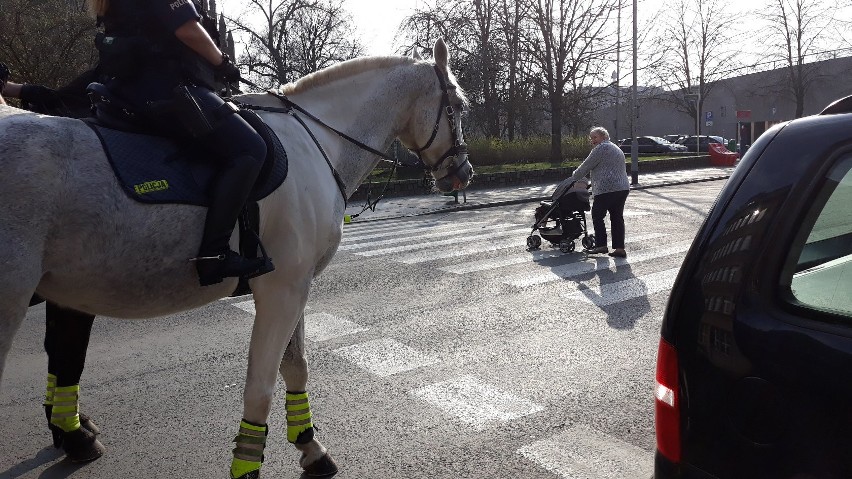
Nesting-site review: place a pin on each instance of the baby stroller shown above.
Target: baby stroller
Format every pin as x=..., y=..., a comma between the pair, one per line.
x=563, y=220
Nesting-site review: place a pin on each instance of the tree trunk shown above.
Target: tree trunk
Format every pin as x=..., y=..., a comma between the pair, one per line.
x=556, y=127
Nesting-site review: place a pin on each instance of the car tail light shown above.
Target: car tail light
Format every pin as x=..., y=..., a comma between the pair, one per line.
x=667, y=401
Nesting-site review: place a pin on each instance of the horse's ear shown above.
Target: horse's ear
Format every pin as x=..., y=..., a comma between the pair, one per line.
x=416, y=54
x=441, y=54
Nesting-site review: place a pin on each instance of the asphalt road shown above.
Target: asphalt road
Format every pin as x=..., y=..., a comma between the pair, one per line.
x=439, y=348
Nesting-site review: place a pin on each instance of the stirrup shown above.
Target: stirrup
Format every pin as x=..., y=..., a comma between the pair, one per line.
x=215, y=268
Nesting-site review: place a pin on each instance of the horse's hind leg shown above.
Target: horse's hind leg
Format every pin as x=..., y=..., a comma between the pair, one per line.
x=13, y=309
x=65, y=341
x=17, y=285
x=300, y=431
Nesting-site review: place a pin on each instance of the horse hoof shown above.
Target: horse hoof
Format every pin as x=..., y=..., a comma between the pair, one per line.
x=322, y=467
x=57, y=435
x=87, y=422
x=82, y=445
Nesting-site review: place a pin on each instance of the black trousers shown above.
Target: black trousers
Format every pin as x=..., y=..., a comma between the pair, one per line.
x=66, y=339
x=612, y=203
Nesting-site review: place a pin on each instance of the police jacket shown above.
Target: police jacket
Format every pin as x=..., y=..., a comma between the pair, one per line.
x=138, y=47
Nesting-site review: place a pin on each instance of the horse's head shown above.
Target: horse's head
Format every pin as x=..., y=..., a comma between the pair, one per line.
x=435, y=133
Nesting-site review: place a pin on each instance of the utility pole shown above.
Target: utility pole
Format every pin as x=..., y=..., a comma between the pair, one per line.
x=634, y=147
x=617, y=72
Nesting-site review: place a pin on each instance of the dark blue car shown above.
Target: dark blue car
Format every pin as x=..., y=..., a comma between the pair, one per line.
x=754, y=370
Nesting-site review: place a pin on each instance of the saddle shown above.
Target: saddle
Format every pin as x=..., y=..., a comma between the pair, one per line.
x=152, y=168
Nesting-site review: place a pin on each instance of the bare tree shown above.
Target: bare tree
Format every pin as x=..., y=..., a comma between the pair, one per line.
x=513, y=17
x=571, y=41
x=46, y=41
x=320, y=38
x=294, y=37
x=798, y=29
x=696, y=52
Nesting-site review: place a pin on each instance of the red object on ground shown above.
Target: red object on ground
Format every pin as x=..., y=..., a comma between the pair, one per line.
x=721, y=156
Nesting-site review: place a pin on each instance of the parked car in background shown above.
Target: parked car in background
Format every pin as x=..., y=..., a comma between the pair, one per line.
x=689, y=142
x=674, y=138
x=754, y=369
x=650, y=144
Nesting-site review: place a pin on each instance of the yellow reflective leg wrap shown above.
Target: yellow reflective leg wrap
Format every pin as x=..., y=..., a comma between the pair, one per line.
x=248, y=455
x=298, y=415
x=51, y=390
x=66, y=408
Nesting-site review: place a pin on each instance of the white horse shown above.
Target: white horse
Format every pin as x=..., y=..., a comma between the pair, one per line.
x=69, y=233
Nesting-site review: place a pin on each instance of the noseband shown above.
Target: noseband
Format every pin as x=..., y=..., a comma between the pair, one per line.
x=442, y=169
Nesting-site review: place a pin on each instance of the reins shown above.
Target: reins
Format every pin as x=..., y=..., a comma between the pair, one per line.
x=458, y=147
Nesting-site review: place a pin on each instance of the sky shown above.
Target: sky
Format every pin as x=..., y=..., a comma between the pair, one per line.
x=376, y=20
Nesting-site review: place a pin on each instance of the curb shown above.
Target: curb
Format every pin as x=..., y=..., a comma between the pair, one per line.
x=467, y=207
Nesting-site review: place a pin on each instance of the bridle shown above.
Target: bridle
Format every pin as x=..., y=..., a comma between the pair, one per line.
x=458, y=148
x=456, y=153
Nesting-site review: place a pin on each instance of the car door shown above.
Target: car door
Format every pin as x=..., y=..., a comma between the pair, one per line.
x=761, y=318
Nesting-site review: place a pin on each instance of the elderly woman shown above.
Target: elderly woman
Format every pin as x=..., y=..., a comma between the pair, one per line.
x=606, y=164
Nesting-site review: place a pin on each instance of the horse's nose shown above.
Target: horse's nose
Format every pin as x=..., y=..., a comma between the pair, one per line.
x=463, y=176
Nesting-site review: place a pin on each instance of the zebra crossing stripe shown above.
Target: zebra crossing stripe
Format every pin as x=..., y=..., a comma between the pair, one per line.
x=611, y=293
x=418, y=235
x=247, y=306
x=585, y=453
x=573, y=269
x=324, y=326
x=634, y=213
x=494, y=263
x=467, y=249
x=451, y=241
x=475, y=403
x=385, y=357
x=401, y=230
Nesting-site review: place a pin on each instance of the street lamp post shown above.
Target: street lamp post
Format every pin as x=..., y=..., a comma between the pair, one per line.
x=634, y=147
x=617, y=72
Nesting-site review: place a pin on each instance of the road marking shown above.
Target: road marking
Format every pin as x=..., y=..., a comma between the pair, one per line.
x=358, y=228
x=467, y=249
x=324, y=326
x=585, y=453
x=385, y=357
x=417, y=235
x=411, y=229
x=596, y=262
x=451, y=241
x=532, y=256
x=634, y=213
x=476, y=403
x=611, y=293
x=247, y=306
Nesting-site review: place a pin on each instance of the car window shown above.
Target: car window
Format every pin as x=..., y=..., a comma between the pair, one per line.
x=819, y=268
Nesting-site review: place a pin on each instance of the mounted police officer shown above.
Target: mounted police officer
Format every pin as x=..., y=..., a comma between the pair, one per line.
x=162, y=62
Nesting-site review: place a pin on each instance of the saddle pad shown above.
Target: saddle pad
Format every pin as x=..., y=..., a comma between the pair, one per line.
x=154, y=169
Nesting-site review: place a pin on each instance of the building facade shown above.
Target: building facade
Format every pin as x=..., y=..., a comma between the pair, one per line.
x=740, y=108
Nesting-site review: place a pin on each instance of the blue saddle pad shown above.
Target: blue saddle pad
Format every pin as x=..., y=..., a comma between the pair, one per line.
x=154, y=169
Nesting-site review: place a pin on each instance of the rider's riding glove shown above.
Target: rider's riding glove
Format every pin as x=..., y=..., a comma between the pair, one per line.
x=226, y=71
x=40, y=96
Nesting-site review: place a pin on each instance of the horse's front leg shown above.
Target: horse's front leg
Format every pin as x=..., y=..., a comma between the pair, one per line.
x=279, y=302
x=315, y=459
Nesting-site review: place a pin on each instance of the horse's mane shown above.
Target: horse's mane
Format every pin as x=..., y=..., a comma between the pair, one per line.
x=353, y=67
x=349, y=67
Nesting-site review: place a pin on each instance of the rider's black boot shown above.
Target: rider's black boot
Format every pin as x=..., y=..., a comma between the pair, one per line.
x=216, y=260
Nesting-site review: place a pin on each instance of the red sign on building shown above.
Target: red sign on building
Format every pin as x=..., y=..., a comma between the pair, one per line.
x=743, y=114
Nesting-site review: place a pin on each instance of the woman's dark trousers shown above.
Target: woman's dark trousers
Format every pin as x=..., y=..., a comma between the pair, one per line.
x=612, y=203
